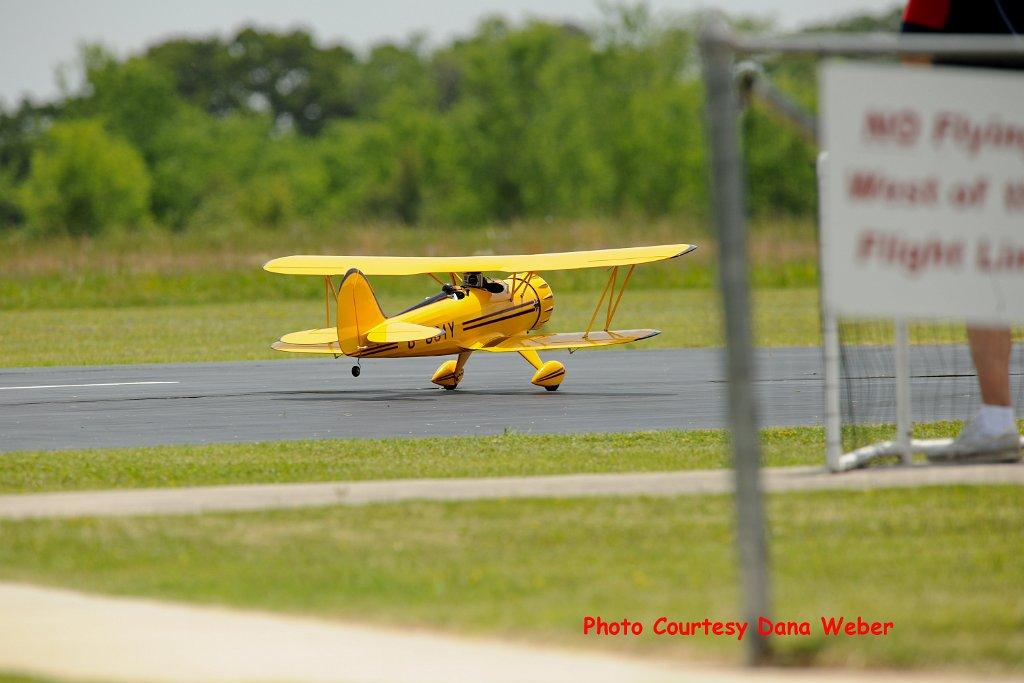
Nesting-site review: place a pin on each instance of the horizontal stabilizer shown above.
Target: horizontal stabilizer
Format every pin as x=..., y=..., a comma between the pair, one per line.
x=323, y=340
x=401, y=332
x=565, y=340
x=324, y=335
x=331, y=348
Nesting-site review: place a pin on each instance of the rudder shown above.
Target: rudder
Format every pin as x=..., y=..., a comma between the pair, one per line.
x=357, y=311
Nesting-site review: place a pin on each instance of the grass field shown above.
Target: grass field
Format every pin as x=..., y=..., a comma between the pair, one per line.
x=161, y=269
x=160, y=297
x=244, y=331
x=352, y=459
x=943, y=563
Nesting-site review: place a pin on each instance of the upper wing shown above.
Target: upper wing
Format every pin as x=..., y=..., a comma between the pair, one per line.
x=416, y=265
x=565, y=340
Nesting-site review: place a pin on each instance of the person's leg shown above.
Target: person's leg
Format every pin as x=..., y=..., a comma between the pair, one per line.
x=991, y=436
x=990, y=351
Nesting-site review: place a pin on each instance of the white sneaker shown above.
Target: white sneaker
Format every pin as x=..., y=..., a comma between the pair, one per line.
x=973, y=446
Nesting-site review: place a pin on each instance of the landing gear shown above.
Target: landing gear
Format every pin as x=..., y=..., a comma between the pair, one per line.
x=549, y=375
x=355, y=371
x=450, y=373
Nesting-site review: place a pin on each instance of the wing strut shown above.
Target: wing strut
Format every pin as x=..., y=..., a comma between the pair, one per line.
x=524, y=283
x=328, y=292
x=609, y=291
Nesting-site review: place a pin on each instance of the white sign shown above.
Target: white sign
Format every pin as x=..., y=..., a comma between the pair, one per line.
x=923, y=191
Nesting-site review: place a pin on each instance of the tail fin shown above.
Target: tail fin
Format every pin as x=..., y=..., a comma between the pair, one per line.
x=358, y=311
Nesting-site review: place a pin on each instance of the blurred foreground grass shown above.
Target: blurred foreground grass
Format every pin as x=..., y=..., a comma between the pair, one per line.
x=943, y=563
x=508, y=454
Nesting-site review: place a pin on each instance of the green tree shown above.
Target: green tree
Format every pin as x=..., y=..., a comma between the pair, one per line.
x=83, y=181
x=391, y=72
x=135, y=98
x=515, y=120
x=20, y=131
x=203, y=165
x=283, y=74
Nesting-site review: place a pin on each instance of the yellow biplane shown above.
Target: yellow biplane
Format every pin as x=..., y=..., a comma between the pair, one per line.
x=471, y=312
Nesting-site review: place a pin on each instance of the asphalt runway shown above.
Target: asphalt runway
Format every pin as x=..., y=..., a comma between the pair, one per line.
x=135, y=405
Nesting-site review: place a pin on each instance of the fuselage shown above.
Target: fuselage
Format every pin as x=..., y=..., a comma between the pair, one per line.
x=472, y=315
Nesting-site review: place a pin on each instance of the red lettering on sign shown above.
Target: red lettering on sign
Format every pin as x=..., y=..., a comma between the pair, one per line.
x=899, y=127
x=871, y=185
x=968, y=195
x=1004, y=257
x=1013, y=196
x=972, y=136
x=912, y=256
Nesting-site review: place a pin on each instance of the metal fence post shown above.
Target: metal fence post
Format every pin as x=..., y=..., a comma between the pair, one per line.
x=728, y=206
x=831, y=348
x=904, y=415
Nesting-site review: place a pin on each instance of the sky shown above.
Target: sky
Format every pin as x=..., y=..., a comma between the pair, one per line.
x=37, y=36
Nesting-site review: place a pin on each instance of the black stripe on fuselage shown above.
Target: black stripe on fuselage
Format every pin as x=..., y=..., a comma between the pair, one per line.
x=491, y=315
x=377, y=349
x=466, y=328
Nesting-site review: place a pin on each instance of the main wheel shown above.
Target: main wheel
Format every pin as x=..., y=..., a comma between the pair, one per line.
x=355, y=370
x=451, y=388
x=554, y=388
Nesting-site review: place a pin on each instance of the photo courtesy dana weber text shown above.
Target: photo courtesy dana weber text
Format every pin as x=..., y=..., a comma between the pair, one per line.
x=666, y=626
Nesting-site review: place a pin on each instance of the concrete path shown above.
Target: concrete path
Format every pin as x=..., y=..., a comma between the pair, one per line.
x=71, y=635
x=176, y=501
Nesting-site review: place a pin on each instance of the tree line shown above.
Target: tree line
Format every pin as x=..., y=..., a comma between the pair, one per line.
x=511, y=122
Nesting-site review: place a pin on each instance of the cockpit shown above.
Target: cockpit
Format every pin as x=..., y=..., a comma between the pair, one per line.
x=447, y=292
x=450, y=291
x=478, y=281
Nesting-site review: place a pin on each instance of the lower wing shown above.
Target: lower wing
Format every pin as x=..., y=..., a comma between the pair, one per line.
x=563, y=340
